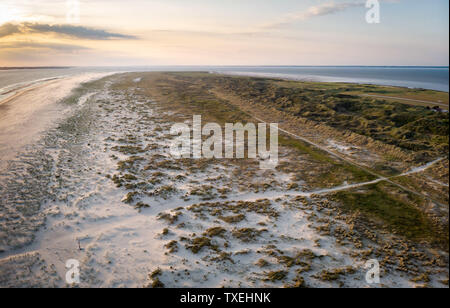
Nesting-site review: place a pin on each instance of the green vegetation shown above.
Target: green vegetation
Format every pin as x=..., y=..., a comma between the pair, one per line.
x=414, y=128
x=383, y=219
x=417, y=130
x=198, y=243
x=262, y=263
x=171, y=219
x=233, y=219
x=338, y=166
x=129, y=197
x=408, y=128
x=247, y=234
x=335, y=274
x=85, y=88
x=172, y=246
x=276, y=276
x=215, y=231
x=381, y=206
x=156, y=282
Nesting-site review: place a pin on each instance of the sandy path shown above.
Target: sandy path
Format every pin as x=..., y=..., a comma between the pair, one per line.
x=379, y=176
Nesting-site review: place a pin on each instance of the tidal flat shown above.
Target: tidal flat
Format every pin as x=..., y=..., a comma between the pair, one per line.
x=359, y=178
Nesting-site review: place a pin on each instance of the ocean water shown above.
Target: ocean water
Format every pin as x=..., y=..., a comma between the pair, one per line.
x=434, y=78
x=12, y=81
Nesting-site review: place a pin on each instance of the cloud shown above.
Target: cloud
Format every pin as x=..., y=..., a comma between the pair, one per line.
x=329, y=8
x=79, y=32
x=9, y=29
x=315, y=11
x=76, y=31
x=39, y=45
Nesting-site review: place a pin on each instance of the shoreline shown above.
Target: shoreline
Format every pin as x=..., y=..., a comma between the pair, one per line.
x=316, y=79
x=34, y=68
x=26, y=89
x=31, y=110
x=362, y=75
x=350, y=84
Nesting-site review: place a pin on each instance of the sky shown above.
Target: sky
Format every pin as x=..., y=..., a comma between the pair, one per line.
x=222, y=32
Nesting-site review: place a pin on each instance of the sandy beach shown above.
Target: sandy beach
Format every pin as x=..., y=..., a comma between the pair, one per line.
x=90, y=178
x=32, y=109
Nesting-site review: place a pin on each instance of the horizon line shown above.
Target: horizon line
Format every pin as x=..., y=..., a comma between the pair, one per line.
x=213, y=65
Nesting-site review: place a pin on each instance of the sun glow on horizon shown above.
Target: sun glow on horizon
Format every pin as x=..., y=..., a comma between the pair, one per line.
x=9, y=14
x=13, y=14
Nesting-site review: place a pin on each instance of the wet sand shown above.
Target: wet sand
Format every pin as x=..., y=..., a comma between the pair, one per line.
x=31, y=111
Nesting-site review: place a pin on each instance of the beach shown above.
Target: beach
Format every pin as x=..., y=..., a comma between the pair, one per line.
x=28, y=111
x=90, y=178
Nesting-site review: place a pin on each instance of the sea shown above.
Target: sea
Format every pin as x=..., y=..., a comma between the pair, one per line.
x=424, y=77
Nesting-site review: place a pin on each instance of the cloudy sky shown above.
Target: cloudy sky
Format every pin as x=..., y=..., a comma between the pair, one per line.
x=222, y=32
